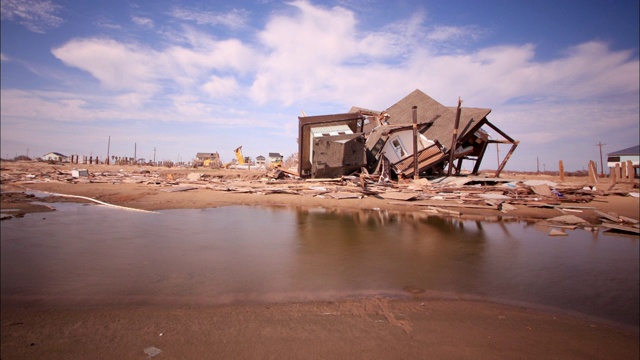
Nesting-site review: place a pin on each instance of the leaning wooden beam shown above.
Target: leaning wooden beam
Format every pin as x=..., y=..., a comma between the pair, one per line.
x=506, y=158
x=499, y=131
x=476, y=168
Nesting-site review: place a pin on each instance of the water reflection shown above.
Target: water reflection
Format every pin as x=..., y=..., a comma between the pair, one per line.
x=94, y=255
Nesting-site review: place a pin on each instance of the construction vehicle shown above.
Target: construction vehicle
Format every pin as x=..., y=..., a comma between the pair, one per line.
x=239, y=156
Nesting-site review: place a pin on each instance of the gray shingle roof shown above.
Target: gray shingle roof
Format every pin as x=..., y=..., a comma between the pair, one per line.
x=634, y=150
x=443, y=117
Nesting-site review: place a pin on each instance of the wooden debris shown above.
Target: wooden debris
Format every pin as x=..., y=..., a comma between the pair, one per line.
x=180, y=188
x=344, y=195
x=555, y=232
x=628, y=220
x=622, y=228
x=568, y=219
x=608, y=216
x=542, y=190
x=405, y=196
x=444, y=211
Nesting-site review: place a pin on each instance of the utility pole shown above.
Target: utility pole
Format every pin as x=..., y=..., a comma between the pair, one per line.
x=135, y=150
x=27, y=152
x=154, y=155
x=537, y=165
x=600, y=144
x=108, y=148
x=498, y=153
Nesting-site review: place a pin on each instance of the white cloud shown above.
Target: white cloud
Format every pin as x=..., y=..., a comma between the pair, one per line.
x=35, y=15
x=4, y=57
x=218, y=87
x=114, y=64
x=143, y=22
x=232, y=19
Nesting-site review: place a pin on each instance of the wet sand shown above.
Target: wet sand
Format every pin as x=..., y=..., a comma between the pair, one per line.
x=372, y=328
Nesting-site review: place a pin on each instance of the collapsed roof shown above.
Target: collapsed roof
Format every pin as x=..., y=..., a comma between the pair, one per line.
x=438, y=131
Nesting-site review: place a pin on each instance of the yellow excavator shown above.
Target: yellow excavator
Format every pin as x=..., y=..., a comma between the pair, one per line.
x=239, y=156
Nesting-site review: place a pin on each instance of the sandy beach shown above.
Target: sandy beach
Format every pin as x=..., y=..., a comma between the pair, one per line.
x=425, y=326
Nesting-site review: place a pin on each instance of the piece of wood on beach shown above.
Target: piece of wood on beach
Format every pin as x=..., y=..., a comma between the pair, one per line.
x=567, y=219
x=444, y=211
x=542, y=190
x=429, y=203
x=608, y=216
x=180, y=188
x=395, y=195
x=343, y=195
x=628, y=220
x=555, y=232
x=622, y=228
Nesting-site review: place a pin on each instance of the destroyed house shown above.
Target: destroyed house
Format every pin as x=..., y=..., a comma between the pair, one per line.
x=442, y=137
x=330, y=145
x=471, y=139
x=392, y=145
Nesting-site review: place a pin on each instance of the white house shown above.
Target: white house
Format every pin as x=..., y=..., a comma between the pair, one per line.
x=54, y=156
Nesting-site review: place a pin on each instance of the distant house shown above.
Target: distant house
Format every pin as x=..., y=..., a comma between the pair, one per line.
x=260, y=161
x=55, y=156
x=622, y=156
x=208, y=159
x=275, y=159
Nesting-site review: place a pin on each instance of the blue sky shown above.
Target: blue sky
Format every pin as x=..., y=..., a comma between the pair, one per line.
x=183, y=77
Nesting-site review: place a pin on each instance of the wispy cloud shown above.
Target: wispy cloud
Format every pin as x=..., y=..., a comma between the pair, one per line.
x=233, y=19
x=143, y=22
x=35, y=15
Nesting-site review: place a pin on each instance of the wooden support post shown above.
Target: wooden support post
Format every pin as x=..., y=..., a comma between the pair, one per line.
x=616, y=170
x=561, y=170
x=612, y=173
x=630, y=171
x=593, y=177
x=623, y=172
x=454, y=140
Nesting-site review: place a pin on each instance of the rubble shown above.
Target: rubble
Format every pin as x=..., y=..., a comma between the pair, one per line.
x=445, y=196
